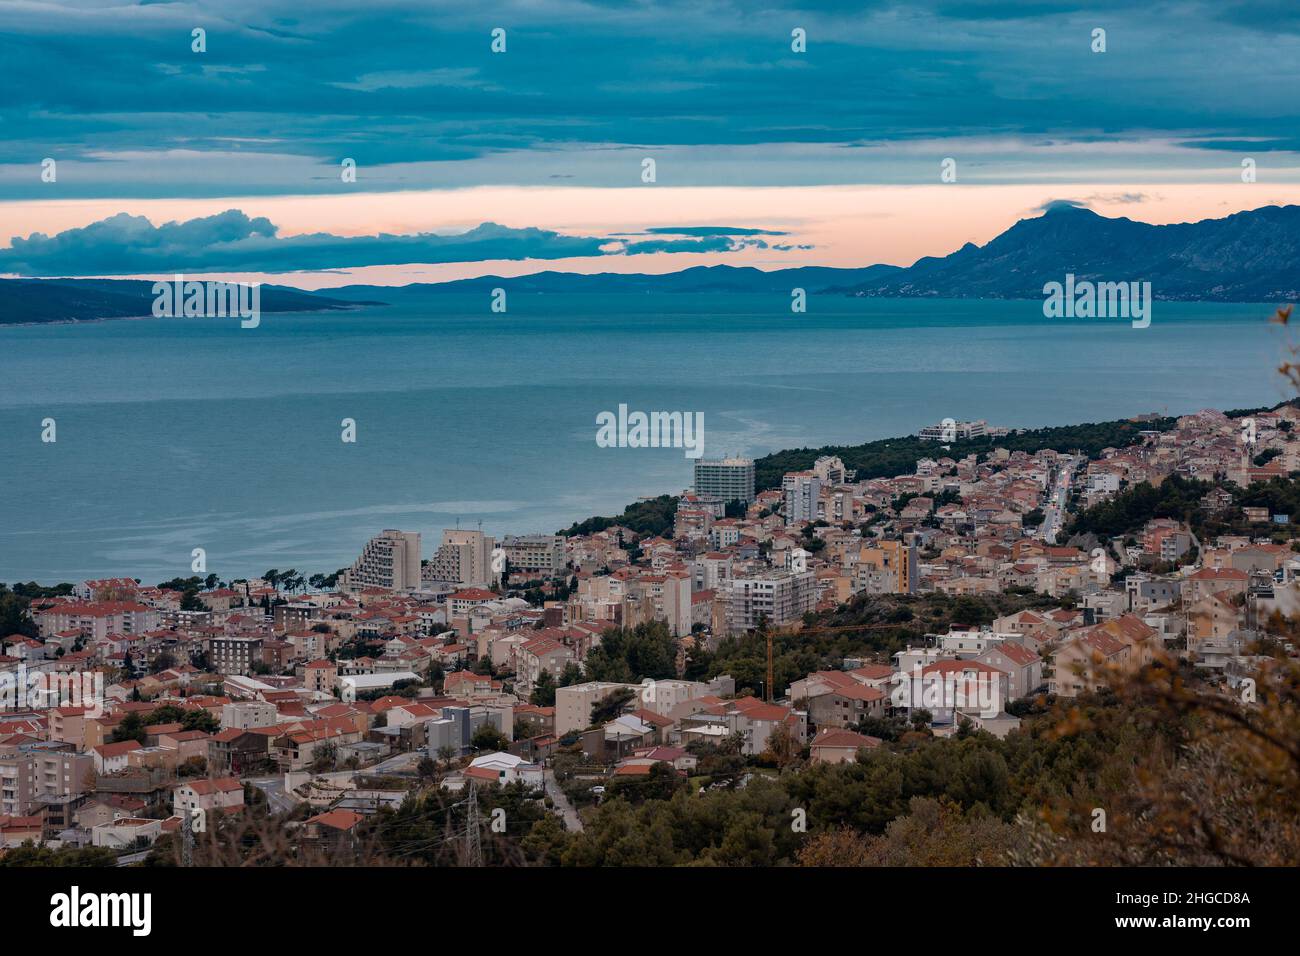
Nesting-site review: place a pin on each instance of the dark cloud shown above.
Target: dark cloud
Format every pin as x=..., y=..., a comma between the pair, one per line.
x=403, y=83
x=710, y=231
x=233, y=242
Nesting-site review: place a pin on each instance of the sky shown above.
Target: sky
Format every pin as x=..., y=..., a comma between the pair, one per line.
x=228, y=161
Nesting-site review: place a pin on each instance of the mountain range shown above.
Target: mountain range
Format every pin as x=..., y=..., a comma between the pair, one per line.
x=24, y=301
x=1251, y=256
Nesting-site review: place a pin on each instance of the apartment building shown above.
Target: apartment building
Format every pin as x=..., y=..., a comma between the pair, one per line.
x=730, y=479
x=464, y=558
x=390, y=560
x=97, y=620
x=33, y=774
x=235, y=655
x=778, y=596
x=887, y=567
x=539, y=554
x=246, y=714
x=830, y=469
x=573, y=703
x=800, y=491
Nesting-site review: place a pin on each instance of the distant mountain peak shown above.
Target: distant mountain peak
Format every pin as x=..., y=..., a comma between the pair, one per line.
x=1250, y=256
x=1065, y=207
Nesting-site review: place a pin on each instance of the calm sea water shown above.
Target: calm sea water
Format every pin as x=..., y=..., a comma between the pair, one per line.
x=182, y=433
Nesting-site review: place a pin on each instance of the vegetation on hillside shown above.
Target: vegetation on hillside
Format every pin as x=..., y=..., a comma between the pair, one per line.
x=1180, y=498
x=647, y=518
x=890, y=457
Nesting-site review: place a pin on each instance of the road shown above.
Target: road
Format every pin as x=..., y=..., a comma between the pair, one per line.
x=400, y=763
x=276, y=797
x=572, y=821
x=1058, y=499
x=132, y=858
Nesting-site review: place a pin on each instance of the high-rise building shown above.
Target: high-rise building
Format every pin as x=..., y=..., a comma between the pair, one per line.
x=801, y=490
x=887, y=567
x=464, y=558
x=777, y=597
x=731, y=479
x=677, y=602
x=390, y=560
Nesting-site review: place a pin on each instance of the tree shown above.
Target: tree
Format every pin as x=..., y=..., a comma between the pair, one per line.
x=487, y=737
x=610, y=706
x=190, y=601
x=781, y=746
x=660, y=783
x=323, y=758
x=43, y=856
x=130, y=728
x=630, y=656
x=543, y=694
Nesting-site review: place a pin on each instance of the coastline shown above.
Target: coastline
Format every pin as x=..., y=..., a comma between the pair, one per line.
x=351, y=307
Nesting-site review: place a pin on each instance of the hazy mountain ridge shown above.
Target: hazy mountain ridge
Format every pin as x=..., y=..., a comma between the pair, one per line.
x=719, y=278
x=1251, y=256
x=25, y=301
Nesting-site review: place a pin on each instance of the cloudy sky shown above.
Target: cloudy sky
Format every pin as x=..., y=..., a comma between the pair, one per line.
x=468, y=161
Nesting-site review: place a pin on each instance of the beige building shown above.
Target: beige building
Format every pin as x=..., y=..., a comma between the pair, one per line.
x=887, y=567
x=319, y=676
x=1114, y=649
x=246, y=714
x=573, y=703
x=464, y=558
x=540, y=554
x=833, y=745
x=31, y=775
x=390, y=560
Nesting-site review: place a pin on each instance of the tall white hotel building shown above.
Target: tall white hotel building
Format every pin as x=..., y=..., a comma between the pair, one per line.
x=729, y=479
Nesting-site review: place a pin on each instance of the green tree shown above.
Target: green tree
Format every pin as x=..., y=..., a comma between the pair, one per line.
x=487, y=737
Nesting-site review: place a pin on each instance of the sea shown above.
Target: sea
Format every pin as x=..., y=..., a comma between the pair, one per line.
x=180, y=433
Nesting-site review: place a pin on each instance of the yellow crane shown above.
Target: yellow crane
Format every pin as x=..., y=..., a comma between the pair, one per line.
x=792, y=631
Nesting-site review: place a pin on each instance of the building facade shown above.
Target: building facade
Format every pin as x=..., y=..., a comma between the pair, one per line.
x=731, y=479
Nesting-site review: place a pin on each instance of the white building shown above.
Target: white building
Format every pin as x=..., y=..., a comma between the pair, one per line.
x=730, y=479
x=246, y=714
x=778, y=596
x=801, y=490
x=390, y=560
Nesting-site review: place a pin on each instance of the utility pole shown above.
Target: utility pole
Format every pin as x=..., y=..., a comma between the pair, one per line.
x=187, y=837
x=769, y=666
x=473, y=845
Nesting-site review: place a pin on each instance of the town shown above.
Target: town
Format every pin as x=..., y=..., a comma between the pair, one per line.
x=702, y=643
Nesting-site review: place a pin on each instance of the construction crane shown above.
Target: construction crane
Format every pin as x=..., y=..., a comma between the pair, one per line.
x=789, y=631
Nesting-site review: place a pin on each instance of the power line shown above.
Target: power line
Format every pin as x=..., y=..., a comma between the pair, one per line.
x=187, y=837
x=473, y=844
